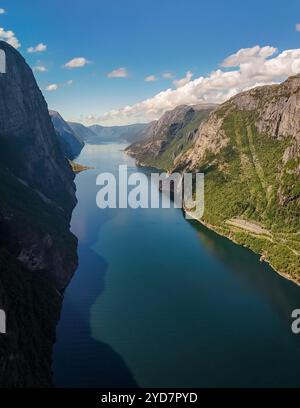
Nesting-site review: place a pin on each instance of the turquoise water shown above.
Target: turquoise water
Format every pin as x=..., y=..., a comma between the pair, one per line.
x=161, y=301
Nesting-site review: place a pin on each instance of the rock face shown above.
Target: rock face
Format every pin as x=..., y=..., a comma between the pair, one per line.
x=170, y=136
x=277, y=109
x=37, y=250
x=70, y=142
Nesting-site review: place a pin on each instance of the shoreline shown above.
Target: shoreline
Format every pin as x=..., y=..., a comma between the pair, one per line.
x=213, y=228
x=78, y=168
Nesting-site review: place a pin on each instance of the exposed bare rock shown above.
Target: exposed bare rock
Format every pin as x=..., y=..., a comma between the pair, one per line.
x=176, y=128
x=209, y=137
x=277, y=109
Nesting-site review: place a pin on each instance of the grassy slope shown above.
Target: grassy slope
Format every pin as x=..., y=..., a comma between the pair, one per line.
x=243, y=181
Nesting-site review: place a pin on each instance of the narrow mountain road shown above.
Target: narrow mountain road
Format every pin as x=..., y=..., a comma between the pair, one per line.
x=255, y=229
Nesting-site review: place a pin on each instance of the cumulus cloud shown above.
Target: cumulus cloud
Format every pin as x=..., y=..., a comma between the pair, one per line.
x=70, y=82
x=298, y=27
x=40, y=68
x=183, y=81
x=243, y=70
x=118, y=73
x=38, y=48
x=77, y=62
x=248, y=54
x=2, y=11
x=51, y=87
x=167, y=75
x=9, y=37
x=150, y=78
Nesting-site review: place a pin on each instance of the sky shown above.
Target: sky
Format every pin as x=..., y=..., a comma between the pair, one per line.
x=126, y=61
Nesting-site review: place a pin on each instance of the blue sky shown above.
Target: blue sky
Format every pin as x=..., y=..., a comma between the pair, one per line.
x=146, y=38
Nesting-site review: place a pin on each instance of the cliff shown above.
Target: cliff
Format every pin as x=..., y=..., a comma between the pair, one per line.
x=70, y=141
x=170, y=136
x=37, y=250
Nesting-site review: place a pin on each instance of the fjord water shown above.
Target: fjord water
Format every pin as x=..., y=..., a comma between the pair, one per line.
x=159, y=301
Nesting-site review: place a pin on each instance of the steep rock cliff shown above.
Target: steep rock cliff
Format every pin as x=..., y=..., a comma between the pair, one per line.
x=277, y=115
x=170, y=136
x=70, y=142
x=37, y=250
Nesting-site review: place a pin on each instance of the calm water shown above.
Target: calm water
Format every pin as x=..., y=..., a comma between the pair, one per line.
x=161, y=301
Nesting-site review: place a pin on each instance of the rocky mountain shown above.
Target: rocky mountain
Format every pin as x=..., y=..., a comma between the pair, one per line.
x=37, y=250
x=70, y=141
x=248, y=149
x=170, y=136
x=129, y=133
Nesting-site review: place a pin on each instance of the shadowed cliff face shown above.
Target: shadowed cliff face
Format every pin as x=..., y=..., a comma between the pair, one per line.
x=37, y=250
x=70, y=142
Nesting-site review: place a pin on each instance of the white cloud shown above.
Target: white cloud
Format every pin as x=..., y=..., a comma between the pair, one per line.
x=2, y=11
x=77, y=62
x=183, y=81
x=297, y=27
x=248, y=54
x=38, y=48
x=9, y=37
x=52, y=87
x=167, y=75
x=40, y=68
x=252, y=67
x=118, y=73
x=70, y=82
x=150, y=78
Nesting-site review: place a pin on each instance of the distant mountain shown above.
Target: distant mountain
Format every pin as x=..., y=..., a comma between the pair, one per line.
x=70, y=142
x=128, y=133
x=84, y=133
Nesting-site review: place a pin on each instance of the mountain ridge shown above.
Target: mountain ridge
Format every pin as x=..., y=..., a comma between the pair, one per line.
x=169, y=136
